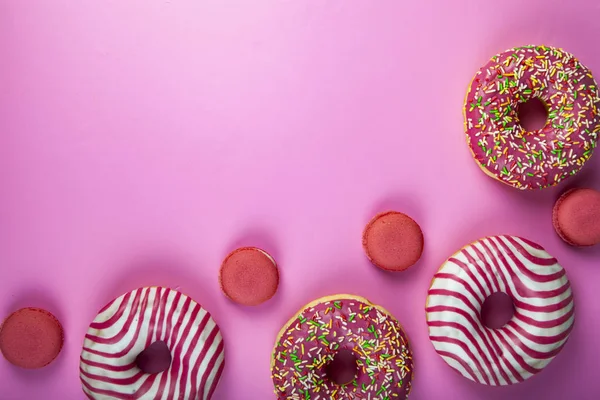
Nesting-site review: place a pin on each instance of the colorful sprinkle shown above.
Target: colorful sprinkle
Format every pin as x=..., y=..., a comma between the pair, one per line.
x=376, y=338
x=528, y=160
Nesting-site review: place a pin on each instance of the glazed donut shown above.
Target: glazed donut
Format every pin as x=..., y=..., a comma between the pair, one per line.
x=538, y=330
x=502, y=147
x=127, y=326
x=342, y=347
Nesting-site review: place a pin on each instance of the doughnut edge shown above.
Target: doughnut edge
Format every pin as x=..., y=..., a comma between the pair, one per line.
x=335, y=297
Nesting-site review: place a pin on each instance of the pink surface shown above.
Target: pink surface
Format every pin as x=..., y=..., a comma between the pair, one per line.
x=141, y=141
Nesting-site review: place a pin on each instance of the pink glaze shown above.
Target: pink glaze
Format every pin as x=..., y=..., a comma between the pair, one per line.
x=314, y=352
x=545, y=157
x=576, y=217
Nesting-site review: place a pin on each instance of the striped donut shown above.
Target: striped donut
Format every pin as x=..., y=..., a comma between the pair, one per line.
x=128, y=325
x=538, y=330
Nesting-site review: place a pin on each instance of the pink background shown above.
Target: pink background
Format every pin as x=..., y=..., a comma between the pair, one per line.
x=143, y=140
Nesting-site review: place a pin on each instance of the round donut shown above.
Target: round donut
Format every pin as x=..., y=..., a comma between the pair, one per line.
x=312, y=348
x=31, y=338
x=538, y=330
x=502, y=147
x=130, y=324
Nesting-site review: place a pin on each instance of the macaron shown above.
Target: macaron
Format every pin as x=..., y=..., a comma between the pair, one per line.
x=576, y=217
x=393, y=241
x=249, y=276
x=31, y=338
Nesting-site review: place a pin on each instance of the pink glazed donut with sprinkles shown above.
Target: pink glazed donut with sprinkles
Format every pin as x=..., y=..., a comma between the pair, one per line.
x=542, y=158
x=342, y=347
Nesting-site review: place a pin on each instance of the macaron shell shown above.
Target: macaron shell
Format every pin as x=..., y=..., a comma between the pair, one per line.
x=31, y=338
x=576, y=217
x=393, y=241
x=249, y=276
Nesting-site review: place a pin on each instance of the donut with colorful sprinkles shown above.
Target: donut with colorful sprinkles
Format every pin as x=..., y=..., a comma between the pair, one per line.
x=541, y=158
x=342, y=347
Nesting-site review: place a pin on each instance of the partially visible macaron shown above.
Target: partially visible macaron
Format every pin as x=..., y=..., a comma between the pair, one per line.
x=31, y=338
x=576, y=217
x=393, y=241
x=249, y=276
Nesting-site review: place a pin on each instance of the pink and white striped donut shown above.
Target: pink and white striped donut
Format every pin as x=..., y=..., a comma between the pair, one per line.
x=538, y=330
x=128, y=325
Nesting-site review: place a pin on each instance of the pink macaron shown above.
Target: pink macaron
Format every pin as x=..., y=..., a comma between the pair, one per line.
x=393, y=241
x=576, y=217
x=249, y=276
x=31, y=338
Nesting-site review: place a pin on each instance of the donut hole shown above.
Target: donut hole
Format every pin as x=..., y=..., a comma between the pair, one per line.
x=342, y=368
x=497, y=310
x=155, y=358
x=532, y=114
